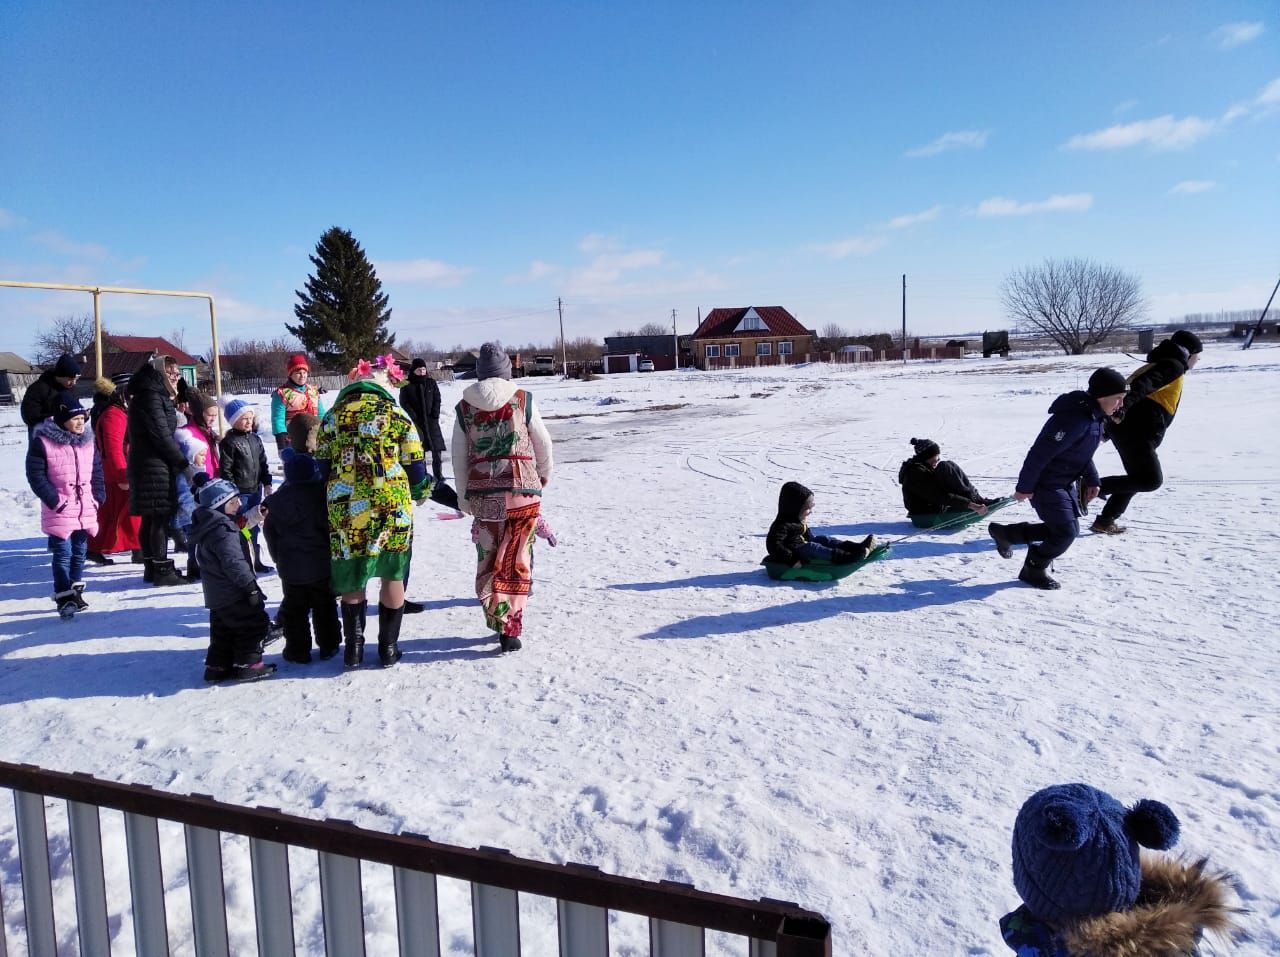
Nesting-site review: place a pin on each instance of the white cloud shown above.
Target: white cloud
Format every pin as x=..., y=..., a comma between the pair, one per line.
x=1058, y=203
x=427, y=272
x=1231, y=35
x=1161, y=133
x=1270, y=95
x=598, y=243
x=1125, y=107
x=853, y=246
x=537, y=271
x=9, y=220
x=1190, y=186
x=959, y=140
x=55, y=242
x=910, y=219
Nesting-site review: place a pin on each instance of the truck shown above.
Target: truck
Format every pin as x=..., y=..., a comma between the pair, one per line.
x=544, y=365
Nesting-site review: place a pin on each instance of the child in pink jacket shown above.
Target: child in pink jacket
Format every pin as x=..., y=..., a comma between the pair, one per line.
x=64, y=471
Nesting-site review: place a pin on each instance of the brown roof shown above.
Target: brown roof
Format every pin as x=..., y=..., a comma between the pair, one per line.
x=720, y=323
x=152, y=345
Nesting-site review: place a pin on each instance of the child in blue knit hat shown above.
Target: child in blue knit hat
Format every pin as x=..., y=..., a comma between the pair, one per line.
x=1087, y=893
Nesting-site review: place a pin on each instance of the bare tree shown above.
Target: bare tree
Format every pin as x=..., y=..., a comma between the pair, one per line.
x=833, y=330
x=1075, y=302
x=653, y=329
x=66, y=334
x=178, y=337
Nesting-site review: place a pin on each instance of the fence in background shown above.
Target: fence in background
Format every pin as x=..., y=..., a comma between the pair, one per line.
x=679, y=916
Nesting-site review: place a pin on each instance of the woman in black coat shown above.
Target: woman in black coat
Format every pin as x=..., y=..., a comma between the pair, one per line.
x=154, y=462
x=420, y=397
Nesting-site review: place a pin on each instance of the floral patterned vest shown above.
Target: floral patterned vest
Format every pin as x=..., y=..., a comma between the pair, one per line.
x=500, y=454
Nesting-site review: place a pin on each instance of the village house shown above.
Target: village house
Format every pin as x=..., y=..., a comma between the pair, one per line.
x=751, y=335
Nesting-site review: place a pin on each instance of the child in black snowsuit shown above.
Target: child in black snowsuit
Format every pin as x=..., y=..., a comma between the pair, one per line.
x=789, y=540
x=296, y=528
x=932, y=485
x=238, y=620
x=242, y=461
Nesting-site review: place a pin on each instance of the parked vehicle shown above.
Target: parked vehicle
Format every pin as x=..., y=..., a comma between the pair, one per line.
x=544, y=365
x=646, y=365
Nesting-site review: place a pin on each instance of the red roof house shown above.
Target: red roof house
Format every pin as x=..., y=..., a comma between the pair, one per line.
x=750, y=335
x=128, y=353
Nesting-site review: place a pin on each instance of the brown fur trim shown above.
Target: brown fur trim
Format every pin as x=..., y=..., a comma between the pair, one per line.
x=1179, y=901
x=104, y=386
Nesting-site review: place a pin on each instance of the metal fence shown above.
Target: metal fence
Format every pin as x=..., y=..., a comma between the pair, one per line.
x=679, y=916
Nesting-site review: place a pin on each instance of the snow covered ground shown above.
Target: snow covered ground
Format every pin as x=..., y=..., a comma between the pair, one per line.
x=860, y=748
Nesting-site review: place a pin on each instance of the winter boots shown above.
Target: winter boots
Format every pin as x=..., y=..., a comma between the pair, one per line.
x=66, y=602
x=389, y=620
x=163, y=573
x=509, y=643
x=1006, y=536
x=97, y=558
x=1106, y=528
x=193, y=566
x=259, y=566
x=77, y=596
x=1036, y=574
x=253, y=672
x=353, y=618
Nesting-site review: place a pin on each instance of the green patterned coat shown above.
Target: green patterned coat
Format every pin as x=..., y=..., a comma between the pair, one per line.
x=376, y=472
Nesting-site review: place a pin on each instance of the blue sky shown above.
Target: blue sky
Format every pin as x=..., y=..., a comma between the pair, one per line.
x=632, y=159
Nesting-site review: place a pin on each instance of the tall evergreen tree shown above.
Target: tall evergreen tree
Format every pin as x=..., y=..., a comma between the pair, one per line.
x=342, y=314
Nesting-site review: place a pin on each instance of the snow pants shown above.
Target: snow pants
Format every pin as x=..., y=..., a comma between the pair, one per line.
x=236, y=633
x=303, y=606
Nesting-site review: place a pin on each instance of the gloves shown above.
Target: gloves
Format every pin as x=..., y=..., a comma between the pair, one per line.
x=255, y=598
x=446, y=496
x=253, y=518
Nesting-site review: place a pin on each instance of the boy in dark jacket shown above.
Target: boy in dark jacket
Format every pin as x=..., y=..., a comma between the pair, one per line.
x=932, y=486
x=1155, y=391
x=789, y=540
x=242, y=460
x=1061, y=457
x=238, y=622
x=1088, y=892
x=420, y=397
x=296, y=528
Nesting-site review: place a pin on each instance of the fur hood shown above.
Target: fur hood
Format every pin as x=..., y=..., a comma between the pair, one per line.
x=490, y=394
x=56, y=434
x=1179, y=902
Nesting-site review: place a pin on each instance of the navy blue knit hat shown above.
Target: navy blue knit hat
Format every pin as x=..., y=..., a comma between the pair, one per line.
x=1075, y=850
x=66, y=367
x=68, y=408
x=215, y=494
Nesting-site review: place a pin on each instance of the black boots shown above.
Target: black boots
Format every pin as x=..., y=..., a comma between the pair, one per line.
x=193, y=566
x=163, y=573
x=1036, y=575
x=1000, y=535
x=389, y=634
x=353, y=634
x=259, y=566
x=509, y=644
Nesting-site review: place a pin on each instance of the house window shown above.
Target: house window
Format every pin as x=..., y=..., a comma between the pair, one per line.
x=764, y=348
x=713, y=352
x=785, y=348
x=732, y=351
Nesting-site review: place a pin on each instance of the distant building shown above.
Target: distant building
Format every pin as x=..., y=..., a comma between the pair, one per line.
x=129, y=353
x=624, y=353
x=750, y=335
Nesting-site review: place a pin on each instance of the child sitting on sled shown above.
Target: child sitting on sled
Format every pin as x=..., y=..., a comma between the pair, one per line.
x=791, y=543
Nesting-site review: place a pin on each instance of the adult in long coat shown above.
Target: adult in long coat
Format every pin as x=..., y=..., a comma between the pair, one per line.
x=41, y=398
x=154, y=463
x=371, y=460
x=1058, y=465
x=117, y=529
x=420, y=397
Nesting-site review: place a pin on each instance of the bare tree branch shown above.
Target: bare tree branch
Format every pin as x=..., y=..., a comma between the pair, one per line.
x=1075, y=302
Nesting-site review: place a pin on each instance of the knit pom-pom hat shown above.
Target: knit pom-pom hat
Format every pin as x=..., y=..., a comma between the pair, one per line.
x=1075, y=850
x=925, y=449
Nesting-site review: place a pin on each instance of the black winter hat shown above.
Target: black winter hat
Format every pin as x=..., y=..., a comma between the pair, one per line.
x=1188, y=340
x=792, y=498
x=1107, y=381
x=419, y=364
x=66, y=367
x=925, y=449
x=68, y=408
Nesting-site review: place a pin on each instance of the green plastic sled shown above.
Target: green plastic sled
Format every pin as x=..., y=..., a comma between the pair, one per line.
x=819, y=571
x=949, y=521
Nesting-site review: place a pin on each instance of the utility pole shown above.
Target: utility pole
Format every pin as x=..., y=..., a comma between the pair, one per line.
x=904, y=317
x=675, y=339
x=564, y=349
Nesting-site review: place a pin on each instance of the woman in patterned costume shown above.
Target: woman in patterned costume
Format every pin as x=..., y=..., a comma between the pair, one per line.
x=501, y=462
x=370, y=456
